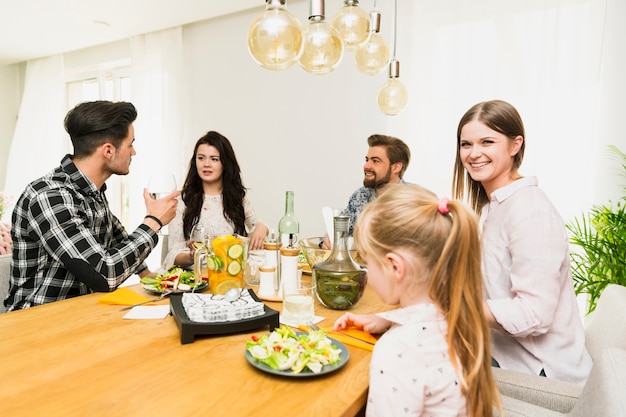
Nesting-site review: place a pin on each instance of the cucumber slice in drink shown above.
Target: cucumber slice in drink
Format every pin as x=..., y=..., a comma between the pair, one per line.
x=234, y=268
x=210, y=263
x=214, y=263
x=235, y=251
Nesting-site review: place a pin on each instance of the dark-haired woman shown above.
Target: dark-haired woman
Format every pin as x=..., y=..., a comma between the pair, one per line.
x=213, y=195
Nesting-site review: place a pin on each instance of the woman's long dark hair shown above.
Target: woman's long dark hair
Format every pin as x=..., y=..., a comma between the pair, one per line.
x=233, y=190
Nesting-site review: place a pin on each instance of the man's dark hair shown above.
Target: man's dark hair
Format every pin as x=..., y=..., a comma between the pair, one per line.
x=397, y=150
x=93, y=123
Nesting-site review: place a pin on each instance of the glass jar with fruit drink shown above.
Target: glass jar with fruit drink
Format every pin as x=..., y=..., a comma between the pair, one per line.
x=226, y=264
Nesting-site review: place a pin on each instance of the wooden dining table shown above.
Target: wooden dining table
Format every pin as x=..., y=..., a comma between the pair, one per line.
x=78, y=357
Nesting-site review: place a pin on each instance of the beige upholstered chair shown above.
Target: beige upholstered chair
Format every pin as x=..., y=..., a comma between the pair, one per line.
x=602, y=396
x=607, y=330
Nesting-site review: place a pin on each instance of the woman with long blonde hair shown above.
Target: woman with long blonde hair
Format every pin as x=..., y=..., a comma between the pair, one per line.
x=423, y=254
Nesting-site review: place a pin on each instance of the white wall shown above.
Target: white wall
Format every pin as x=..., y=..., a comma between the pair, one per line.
x=296, y=131
x=291, y=130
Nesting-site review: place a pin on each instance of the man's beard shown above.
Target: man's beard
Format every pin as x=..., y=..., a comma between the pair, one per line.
x=376, y=183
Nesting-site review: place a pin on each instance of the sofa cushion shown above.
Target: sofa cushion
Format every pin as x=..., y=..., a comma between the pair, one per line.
x=512, y=407
x=602, y=396
x=543, y=392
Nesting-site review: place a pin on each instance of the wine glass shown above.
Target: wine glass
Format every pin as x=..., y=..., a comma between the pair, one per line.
x=197, y=237
x=161, y=184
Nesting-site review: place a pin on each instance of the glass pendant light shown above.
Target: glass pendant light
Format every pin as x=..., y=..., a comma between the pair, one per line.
x=275, y=37
x=392, y=96
x=372, y=56
x=352, y=22
x=322, y=48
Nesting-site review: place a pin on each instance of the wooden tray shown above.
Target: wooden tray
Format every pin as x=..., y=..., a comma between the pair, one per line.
x=190, y=329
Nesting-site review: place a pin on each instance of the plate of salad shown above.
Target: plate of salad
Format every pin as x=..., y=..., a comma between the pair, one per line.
x=289, y=353
x=176, y=279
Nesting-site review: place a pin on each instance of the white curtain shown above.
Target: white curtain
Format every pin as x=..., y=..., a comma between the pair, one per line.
x=158, y=94
x=39, y=141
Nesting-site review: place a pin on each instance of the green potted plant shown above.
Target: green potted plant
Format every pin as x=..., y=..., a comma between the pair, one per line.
x=599, y=239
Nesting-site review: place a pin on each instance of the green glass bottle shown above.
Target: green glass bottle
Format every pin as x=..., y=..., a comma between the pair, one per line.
x=288, y=227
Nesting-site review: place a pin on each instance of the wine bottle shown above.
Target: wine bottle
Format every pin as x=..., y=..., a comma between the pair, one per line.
x=288, y=227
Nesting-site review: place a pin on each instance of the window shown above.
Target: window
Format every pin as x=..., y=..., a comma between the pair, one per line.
x=107, y=82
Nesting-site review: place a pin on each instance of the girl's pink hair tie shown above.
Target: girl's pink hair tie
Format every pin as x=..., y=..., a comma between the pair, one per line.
x=443, y=206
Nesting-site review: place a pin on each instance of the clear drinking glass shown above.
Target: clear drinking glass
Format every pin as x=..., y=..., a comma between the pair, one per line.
x=161, y=184
x=298, y=302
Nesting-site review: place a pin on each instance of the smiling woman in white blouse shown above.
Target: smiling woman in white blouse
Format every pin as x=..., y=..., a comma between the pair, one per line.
x=529, y=295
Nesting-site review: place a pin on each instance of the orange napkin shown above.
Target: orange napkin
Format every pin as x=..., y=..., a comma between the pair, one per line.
x=358, y=333
x=349, y=337
x=353, y=337
x=123, y=296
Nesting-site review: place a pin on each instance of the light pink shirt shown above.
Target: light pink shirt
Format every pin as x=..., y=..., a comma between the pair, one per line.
x=528, y=285
x=411, y=373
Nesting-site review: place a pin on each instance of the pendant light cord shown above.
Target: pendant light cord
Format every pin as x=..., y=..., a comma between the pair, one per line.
x=395, y=26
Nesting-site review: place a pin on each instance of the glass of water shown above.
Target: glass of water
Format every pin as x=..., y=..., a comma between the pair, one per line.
x=298, y=303
x=161, y=184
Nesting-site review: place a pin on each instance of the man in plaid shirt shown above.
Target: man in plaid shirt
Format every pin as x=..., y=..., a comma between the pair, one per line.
x=66, y=241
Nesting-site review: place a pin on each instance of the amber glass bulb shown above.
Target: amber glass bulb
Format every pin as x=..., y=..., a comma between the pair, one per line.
x=393, y=96
x=353, y=24
x=275, y=37
x=372, y=56
x=322, y=48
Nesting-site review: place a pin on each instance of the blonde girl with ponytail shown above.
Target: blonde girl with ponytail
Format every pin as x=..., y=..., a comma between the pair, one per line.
x=423, y=254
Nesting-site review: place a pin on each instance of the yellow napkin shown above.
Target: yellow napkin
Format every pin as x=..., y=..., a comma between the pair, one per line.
x=123, y=296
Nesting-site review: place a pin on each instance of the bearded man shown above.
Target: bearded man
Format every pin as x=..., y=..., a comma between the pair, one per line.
x=385, y=163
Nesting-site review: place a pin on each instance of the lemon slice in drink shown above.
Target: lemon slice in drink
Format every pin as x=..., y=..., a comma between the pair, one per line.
x=226, y=285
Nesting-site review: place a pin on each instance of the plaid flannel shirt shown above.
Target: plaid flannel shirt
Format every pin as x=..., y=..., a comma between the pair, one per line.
x=60, y=218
